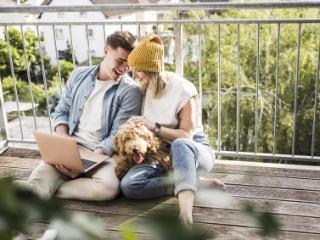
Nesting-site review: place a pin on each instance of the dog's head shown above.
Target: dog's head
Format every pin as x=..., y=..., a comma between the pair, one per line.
x=133, y=141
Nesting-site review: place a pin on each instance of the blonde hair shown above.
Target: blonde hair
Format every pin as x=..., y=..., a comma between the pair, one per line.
x=157, y=83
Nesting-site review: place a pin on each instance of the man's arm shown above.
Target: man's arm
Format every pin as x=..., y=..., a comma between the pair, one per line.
x=129, y=106
x=62, y=112
x=62, y=130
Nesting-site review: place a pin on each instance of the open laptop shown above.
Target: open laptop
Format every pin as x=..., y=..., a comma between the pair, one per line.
x=56, y=149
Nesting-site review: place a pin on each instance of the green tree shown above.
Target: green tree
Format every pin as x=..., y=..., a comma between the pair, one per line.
x=248, y=75
x=65, y=70
x=68, y=54
x=17, y=52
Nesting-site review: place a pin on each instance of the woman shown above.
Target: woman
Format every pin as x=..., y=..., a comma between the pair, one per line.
x=170, y=109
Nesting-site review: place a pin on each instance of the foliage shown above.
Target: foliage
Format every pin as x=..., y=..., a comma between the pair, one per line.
x=65, y=70
x=68, y=54
x=38, y=93
x=270, y=225
x=20, y=207
x=243, y=94
x=17, y=52
x=166, y=226
x=96, y=61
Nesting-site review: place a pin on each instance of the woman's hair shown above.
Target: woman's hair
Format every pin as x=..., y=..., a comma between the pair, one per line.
x=157, y=83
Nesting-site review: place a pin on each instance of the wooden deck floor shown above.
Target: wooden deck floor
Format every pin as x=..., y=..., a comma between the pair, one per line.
x=291, y=193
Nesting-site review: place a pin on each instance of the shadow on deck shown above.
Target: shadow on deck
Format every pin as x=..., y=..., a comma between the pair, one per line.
x=290, y=192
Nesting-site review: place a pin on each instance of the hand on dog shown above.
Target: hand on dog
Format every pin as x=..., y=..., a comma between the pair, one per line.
x=143, y=121
x=68, y=172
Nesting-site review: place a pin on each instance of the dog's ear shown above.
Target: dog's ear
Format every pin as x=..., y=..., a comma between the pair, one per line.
x=117, y=139
x=153, y=142
x=116, y=143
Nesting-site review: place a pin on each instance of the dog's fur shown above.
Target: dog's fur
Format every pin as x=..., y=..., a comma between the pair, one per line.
x=135, y=142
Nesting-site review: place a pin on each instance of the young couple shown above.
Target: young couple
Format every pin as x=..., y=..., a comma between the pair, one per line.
x=98, y=99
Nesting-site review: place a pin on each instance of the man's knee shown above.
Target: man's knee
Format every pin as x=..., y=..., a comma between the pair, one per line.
x=106, y=190
x=44, y=180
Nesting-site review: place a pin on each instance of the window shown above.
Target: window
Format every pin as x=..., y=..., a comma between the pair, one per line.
x=61, y=14
x=59, y=33
x=83, y=14
x=90, y=33
x=93, y=53
x=28, y=29
x=61, y=54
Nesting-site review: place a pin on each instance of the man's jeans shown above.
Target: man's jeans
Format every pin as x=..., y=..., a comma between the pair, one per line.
x=190, y=158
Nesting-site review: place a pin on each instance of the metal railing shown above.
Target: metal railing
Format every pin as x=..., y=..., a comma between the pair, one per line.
x=179, y=23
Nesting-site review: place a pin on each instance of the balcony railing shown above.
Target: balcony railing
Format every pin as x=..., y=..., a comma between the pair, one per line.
x=256, y=103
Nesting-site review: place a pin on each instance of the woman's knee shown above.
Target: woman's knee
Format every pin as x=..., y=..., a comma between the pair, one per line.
x=129, y=186
x=181, y=145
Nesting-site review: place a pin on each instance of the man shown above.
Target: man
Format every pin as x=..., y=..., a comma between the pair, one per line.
x=96, y=101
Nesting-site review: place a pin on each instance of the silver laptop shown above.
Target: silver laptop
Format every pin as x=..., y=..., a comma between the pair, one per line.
x=55, y=149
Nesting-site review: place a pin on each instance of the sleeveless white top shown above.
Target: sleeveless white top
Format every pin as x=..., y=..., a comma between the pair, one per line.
x=164, y=110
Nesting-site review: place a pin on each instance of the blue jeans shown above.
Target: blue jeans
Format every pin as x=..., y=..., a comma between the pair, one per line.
x=190, y=158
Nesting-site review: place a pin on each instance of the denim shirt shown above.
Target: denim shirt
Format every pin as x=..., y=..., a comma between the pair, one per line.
x=120, y=102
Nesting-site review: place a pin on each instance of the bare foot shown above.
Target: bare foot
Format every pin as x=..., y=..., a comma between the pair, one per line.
x=186, y=219
x=211, y=182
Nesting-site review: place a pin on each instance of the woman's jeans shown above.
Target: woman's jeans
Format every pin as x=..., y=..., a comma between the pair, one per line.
x=190, y=158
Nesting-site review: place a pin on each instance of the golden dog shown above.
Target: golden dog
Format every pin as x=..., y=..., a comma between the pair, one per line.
x=134, y=144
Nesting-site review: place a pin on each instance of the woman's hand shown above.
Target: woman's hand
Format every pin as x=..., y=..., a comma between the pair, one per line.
x=143, y=121
x=68, y=172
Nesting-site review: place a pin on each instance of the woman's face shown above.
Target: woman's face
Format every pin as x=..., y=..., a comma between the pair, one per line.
x=140, y=76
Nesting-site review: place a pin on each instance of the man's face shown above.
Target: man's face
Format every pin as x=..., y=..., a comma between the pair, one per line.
x=115, y=62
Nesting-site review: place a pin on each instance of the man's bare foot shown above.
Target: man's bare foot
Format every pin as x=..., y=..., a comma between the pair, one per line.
x=211, y=182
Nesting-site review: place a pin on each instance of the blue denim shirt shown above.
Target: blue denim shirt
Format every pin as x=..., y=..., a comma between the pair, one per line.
x=120, y=102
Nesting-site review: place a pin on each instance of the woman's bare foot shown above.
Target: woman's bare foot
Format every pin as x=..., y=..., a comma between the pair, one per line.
x=211, y=182
x=186, y=219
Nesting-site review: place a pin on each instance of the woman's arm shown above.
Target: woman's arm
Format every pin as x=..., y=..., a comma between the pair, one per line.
x=187, y=121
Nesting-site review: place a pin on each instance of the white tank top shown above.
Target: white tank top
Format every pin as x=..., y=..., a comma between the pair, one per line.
x=164, y=110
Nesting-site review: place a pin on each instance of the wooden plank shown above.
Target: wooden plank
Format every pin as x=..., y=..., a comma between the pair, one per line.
x=130, y=208
x=39, y=229
x=14, y=162
x=289, y=207
x=274, y=206
x=235, y=179
x=237, y=203
x=21, y=153
x=274, y=193
x=264, y=181
x=201, y=214
x=222, y=230
x=266, y=171
x=18, y=173
x=219, y=231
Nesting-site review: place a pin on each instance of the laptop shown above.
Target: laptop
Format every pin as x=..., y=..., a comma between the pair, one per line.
x=55, y=149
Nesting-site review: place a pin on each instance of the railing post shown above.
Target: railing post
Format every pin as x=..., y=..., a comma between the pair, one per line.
x=178, y=48
x=3, y=121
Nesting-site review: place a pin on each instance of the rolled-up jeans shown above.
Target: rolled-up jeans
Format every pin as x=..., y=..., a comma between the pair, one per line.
x=190, y=159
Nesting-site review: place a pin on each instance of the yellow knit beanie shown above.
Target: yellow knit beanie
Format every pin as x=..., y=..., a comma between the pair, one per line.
x=148, y=55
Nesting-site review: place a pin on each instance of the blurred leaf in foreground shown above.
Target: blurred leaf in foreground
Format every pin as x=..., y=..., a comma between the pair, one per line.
x=265, y=220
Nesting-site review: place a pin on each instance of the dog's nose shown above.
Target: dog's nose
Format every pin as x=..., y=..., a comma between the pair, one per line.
x=135, y=150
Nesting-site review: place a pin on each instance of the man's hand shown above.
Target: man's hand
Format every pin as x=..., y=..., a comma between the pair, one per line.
x=68, y=172
x=99, y=151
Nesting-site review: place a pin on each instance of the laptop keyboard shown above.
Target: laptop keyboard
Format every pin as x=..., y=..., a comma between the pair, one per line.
x=87, y=163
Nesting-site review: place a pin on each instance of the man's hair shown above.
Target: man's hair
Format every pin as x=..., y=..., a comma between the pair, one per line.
x=123, y=39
